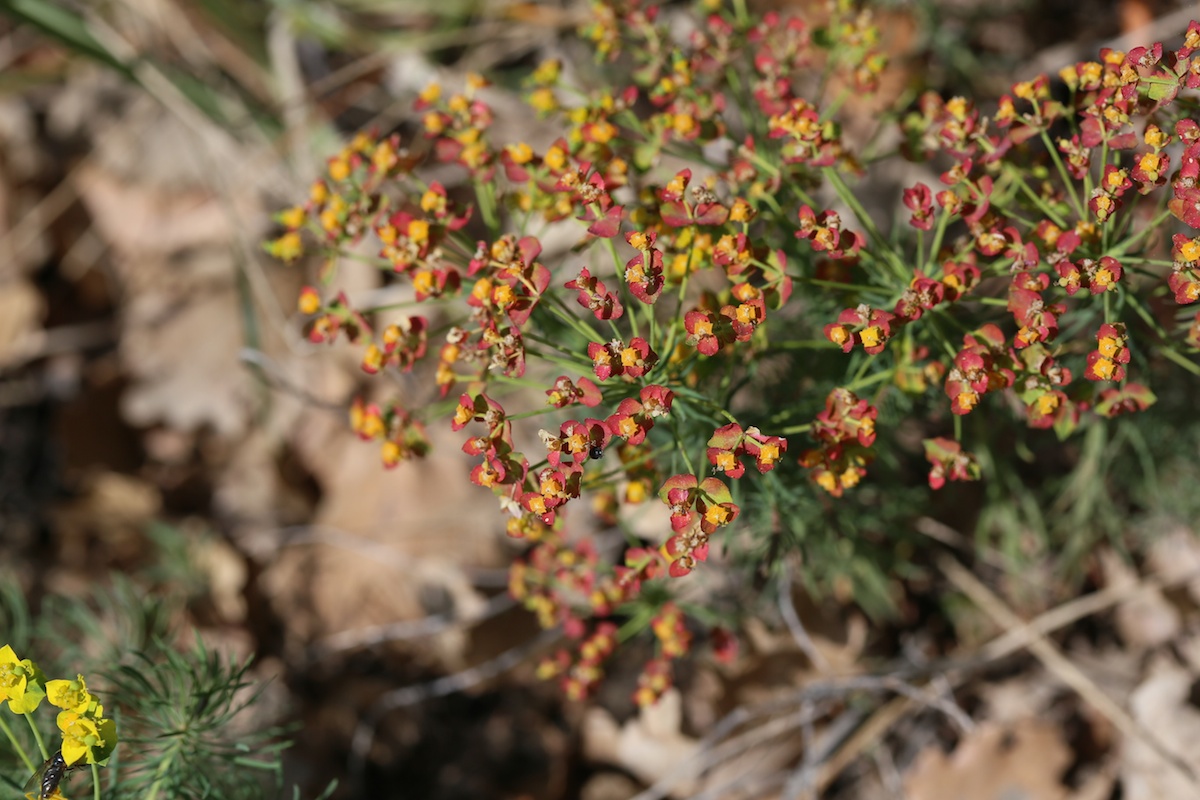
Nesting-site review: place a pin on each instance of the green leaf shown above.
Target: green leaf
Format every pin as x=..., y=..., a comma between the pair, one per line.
x=69, y=28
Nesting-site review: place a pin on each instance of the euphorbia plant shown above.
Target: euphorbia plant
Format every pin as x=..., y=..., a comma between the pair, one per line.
x=699, y=296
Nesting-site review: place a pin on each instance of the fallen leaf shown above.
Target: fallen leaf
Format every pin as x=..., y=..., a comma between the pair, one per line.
x=1023, y=760
x=1161, y=704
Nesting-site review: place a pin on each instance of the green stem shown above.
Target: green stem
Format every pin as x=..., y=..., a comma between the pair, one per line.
x=1064, y=175
x=17, y=745
x=37, y=736
x=848, y=197
x=164, y=768
x=1018, y=178
x=1180, y=359
x=630, y=300
x=487, y=205
x=1150, y=227
x=883, y=375
x=95, y=782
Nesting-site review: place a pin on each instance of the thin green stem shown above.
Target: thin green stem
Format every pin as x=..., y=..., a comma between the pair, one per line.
x=37, y=736
x=95, y=782
x=164, y=768
x=1150, y=227
x=485, y=193
x=1180, y=359
x=848, y=197
x=1018, y=178
x=17, y=745
x=619, y=268
x=1064, y=175
x=882, y=375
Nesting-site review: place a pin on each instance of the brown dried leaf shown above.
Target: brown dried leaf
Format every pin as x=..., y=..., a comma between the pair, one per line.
x=1020, y=761
x=1161, y=704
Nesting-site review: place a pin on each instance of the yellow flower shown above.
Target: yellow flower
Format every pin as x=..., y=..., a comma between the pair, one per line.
x=339, y=168
x=20, y=682
x=292, y=218
x=288, y=247
x=70, y=695
x=548, y=71
x=543, y=100
x=88, y=738
x=431, y=93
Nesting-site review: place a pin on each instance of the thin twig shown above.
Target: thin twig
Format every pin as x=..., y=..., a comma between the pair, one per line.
x=56, y=341
x=273, y=374
x=1061, y=666
x=788, y=610
x=410, y=629
x=801, y=780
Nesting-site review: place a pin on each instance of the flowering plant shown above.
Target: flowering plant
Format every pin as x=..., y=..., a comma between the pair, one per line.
x=88, y=737
x=732, y=290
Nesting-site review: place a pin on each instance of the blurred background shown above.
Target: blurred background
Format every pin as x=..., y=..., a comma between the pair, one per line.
x=166, y=428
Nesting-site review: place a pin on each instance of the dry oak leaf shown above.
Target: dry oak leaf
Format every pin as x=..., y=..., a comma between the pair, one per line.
x=1024, y=760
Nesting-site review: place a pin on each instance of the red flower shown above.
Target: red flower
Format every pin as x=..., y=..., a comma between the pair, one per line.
x=919, y=200
x=565, y=392
x=824, y=232
x=723, y=449
x=645, y=282
x=630, y=421
x=1106, y=362
x=862, y=325
x=1130, y=398
x=922, y=294
x=950, y=462
x=617, y=358
x=594, y=296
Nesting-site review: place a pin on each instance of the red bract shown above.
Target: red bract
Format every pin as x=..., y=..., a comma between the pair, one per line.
x=656, y=400
x=921, y=295
x=730, y=442
x=844, y=432
x=575, y=440
x=959, y=278
x=630, y=421
x=707, y=332
x=617, y=358
x=1106, y=362
x=861, y=325
x=950, y=462
x=594, y=296
x=1129, y=399
x=919, y=200
x=808, y=140
x=479, y=408
x=702, y=208
x=645, y=282
x=565, y=392
x=1184, y=279
x=723, y=449
x=983, y=365
x=1037, y=318
x=824, y=232
x=846, y=417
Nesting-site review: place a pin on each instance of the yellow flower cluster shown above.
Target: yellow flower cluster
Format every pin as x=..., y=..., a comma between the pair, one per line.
x=86, y=734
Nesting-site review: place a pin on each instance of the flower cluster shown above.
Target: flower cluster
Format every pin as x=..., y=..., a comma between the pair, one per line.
x=751, y=278
x=88, y=737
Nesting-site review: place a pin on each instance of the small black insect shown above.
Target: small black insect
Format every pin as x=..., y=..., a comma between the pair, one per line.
x=47, y=778
x=596, y=452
